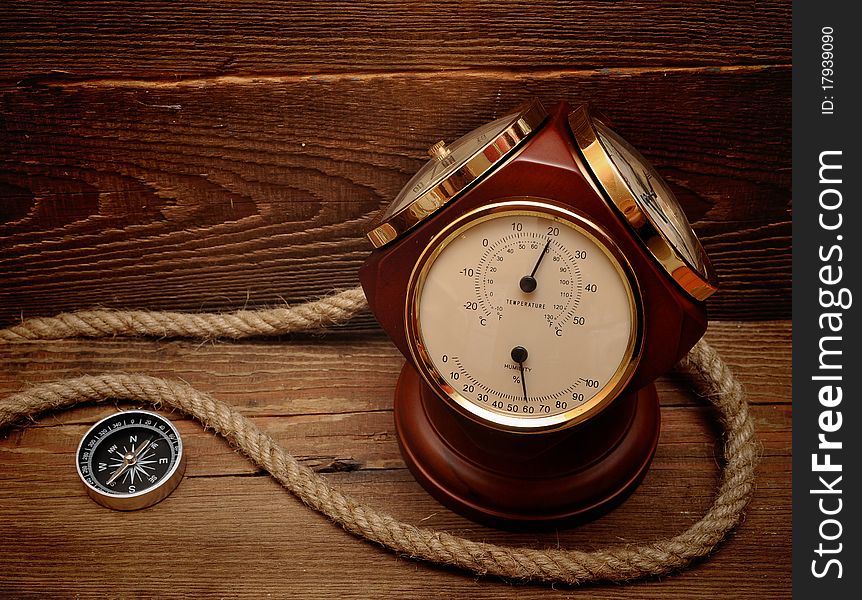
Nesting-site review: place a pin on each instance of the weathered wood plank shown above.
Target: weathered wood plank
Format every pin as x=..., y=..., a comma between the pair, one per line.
x=328, y=375
x=169, y=40
x=216, y=195
x=348, y=442
x=259, y=540
x=230, y=531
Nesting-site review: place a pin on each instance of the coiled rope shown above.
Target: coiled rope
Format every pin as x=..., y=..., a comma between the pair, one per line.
x=709, y=373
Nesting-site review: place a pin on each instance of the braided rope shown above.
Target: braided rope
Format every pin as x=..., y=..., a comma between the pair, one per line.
x=618, y=563
x=320, y=314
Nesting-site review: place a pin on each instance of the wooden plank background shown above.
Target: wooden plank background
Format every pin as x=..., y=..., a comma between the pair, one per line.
x=165, y=39
x=190, y=188
x=210, y=156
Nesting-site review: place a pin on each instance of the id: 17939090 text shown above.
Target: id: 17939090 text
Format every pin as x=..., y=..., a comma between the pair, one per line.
x=827, y=69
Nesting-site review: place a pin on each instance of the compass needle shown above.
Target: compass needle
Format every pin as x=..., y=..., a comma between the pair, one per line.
x=117, y=473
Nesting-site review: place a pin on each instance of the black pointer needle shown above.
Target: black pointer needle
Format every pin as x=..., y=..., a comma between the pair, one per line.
x=519, y=355
x=528, y=282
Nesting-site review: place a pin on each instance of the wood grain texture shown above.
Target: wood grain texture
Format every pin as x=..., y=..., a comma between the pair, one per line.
x=210, y=195
x=164, y=39
x=230, y=531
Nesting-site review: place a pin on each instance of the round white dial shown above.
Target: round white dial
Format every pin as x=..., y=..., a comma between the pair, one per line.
x=453, y=168
x=653, y=196
x=442, y=166
x=525, y=316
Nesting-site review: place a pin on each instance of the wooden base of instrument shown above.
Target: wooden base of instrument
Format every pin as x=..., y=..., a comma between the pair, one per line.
x=515, y=480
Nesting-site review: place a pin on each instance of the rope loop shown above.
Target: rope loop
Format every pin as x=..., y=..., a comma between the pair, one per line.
x=709, y=373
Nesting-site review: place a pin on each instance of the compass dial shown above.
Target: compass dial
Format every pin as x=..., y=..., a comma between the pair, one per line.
x=525, y=316
x=131, y=459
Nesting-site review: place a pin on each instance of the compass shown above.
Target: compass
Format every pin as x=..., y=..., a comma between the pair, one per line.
x=538, y=275
x=131, y=460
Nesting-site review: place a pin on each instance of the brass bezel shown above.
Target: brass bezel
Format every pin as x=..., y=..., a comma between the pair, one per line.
x=688, y=277
x=144, y=498
x=525, y=121
x=533, y=207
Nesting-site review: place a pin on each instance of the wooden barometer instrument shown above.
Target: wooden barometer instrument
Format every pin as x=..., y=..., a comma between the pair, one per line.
x=538, y=275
